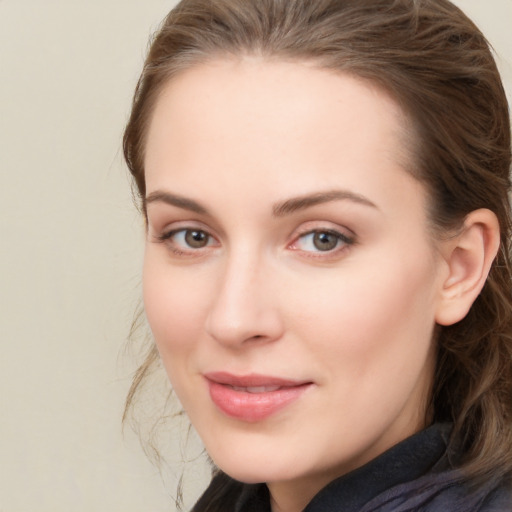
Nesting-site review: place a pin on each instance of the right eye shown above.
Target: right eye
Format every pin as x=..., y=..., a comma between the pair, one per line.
x=187, y=239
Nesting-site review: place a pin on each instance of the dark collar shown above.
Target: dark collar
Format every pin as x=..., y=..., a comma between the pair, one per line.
x=404, y=462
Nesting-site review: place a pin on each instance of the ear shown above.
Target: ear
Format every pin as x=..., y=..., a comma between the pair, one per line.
x=469, y=256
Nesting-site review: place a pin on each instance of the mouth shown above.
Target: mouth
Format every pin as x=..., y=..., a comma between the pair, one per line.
x=253, y=398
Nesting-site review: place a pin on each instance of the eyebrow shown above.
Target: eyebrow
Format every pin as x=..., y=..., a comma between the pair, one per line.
x=175, y=200
x=309, y=200
x=280, y=209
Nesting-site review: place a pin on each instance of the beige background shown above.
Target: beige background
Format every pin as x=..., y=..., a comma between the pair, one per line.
x=71, y=245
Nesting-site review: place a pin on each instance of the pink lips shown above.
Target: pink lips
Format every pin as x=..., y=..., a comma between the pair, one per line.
x=252, y=398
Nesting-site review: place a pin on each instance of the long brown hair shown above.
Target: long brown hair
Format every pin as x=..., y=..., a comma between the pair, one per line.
x=438, y=67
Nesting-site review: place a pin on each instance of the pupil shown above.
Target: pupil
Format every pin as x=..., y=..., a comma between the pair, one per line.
x=196, y=239
x=325, y=241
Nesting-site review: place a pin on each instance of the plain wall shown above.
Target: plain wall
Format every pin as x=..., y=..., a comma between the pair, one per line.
x=71, y=247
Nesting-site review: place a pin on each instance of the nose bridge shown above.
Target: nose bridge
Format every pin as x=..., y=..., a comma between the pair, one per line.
x=243, y=309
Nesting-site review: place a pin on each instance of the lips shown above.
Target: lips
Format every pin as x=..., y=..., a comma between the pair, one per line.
x=253, y=398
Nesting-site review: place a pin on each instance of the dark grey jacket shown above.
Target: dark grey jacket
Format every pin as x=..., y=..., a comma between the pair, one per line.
x=416, y=475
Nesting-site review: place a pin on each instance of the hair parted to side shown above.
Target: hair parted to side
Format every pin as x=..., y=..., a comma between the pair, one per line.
x=438, y=67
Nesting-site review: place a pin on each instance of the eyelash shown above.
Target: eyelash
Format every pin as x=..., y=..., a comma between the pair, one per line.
x=343, y=242
x=168, y=238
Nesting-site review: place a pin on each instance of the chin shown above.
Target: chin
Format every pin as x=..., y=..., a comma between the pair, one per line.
x=258, y=465
x=244, y=467
x=249, y=474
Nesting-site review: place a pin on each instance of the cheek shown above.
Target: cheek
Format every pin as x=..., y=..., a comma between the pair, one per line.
x=173, y=306
x=174, y=309
x=370, y=314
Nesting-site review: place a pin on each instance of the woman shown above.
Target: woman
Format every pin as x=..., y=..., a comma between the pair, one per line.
x=326, y=272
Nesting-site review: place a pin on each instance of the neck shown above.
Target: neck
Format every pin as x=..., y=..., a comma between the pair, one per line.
x=288, y=502
x=294, y=496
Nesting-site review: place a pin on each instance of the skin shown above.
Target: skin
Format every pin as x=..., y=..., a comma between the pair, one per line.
x=240, y=138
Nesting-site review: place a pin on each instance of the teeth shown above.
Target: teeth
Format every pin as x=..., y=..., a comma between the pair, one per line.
x=256, y=389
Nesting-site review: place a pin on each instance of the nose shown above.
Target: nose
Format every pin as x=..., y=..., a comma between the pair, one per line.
x=245, y=309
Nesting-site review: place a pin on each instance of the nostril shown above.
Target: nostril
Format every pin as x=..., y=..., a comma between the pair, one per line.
x=257, y=337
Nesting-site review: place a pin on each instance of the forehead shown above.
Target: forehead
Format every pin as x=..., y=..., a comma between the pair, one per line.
x=255, y=92
x=273, y=123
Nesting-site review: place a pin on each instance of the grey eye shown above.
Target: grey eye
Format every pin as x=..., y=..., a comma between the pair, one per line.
x=196, y=239
x=325, y=241
x=322, y=241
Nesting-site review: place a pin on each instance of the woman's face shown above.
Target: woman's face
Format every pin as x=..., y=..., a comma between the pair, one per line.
x=290, y=279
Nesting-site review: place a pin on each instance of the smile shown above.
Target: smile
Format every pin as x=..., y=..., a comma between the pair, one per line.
x=256, y=389
x=253, y=398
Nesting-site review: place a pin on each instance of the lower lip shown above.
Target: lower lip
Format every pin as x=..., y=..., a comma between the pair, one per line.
x=253, y=407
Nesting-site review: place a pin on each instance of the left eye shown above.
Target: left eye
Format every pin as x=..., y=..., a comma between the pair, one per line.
x=321, y=241
x=190, y=238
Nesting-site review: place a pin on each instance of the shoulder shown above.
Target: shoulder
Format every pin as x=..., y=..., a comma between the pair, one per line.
x=499, y=501
x=442, y=494
x=460, y=497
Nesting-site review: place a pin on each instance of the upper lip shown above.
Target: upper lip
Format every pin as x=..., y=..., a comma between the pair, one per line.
x=251, y=380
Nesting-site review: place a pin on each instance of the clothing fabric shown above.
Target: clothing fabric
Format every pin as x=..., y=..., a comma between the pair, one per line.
x=416, y=475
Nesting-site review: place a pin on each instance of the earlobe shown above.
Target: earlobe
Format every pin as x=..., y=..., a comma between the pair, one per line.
x=469, y=256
